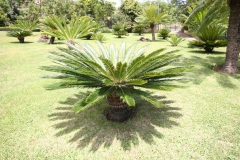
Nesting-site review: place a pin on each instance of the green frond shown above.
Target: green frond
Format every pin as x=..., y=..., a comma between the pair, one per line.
x=109, y=66
x=126, y=95
x=147, y=97
x=92, y=98
x=19, y=33
x=135, y=82
x=121, y=71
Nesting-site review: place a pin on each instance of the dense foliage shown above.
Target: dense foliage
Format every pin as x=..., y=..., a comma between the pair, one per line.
x=164, y=33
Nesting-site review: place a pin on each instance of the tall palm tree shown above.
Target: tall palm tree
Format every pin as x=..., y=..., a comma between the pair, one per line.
x=116, y=74
x=151, y=17
x=233, y=37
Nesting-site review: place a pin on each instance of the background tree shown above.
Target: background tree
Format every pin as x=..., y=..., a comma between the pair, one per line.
x=132, y=9
x=151, y=17
x=233, y=37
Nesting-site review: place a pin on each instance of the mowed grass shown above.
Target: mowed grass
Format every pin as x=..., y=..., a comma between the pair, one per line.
x=200, y=121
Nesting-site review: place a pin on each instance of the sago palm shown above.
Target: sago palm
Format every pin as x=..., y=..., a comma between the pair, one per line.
x=24, y=27
x=116, y=75
x=71, y=30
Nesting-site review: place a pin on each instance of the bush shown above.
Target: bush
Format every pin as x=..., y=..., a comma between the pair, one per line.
x=174, y=39
x=164, y=33
x=210, y=38
x=99, y=36
x=20, y=35
x=106, y=30
x=119, y=30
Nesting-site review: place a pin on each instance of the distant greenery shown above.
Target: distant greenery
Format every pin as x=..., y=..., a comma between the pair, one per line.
x=174, y=39
x=99, y=36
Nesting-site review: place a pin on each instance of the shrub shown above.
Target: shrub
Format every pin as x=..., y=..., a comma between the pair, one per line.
x=99, y=36
x=209, y=45
x=119, y=30
x=20, y=35
x=25, y=25
x=210, y=38
x=175, y=39
x=115, y=74
x=164, y=33
x=106, y=30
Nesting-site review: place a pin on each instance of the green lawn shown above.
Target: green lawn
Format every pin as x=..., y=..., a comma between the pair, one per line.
x=201, y=121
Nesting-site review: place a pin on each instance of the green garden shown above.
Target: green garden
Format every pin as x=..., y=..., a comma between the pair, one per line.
x=135, y=92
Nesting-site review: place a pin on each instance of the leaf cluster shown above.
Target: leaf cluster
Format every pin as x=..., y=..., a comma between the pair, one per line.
x=164, y=33
x=69, y=30
x=19, y=34
x=175, y=39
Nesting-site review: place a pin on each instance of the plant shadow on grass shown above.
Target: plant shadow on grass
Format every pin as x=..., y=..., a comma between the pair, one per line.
x=204, y=52
x=205, y=68
x=92, y=129
x=26, y=42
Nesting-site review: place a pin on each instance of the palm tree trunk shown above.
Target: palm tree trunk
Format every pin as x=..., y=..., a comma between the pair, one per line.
x=153, y=33
x=233, y=37
x=51, y=41
x=21, y=39
x=119, y=110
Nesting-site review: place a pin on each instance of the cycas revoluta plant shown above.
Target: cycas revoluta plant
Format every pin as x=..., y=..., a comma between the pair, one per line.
x=25, y=25
x=139, y=28
x=25, y=29
x=208, y=23
x=210, y=38
x=99, y=36
x=71, y=30
x=174, y=39
x=164, y=33
x=116, y=74
x=119, y=30
x=47, y=25
x=19, y=34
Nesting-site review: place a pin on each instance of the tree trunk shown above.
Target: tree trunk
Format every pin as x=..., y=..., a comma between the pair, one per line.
x=21, y=39
x=51, y=41
x=233, y=37
x=153, y=33
x=209, y=49
x=71, y=42
x=119, y=111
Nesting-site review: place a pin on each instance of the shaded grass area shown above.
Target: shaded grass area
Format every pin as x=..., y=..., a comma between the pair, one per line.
x=200, y=121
